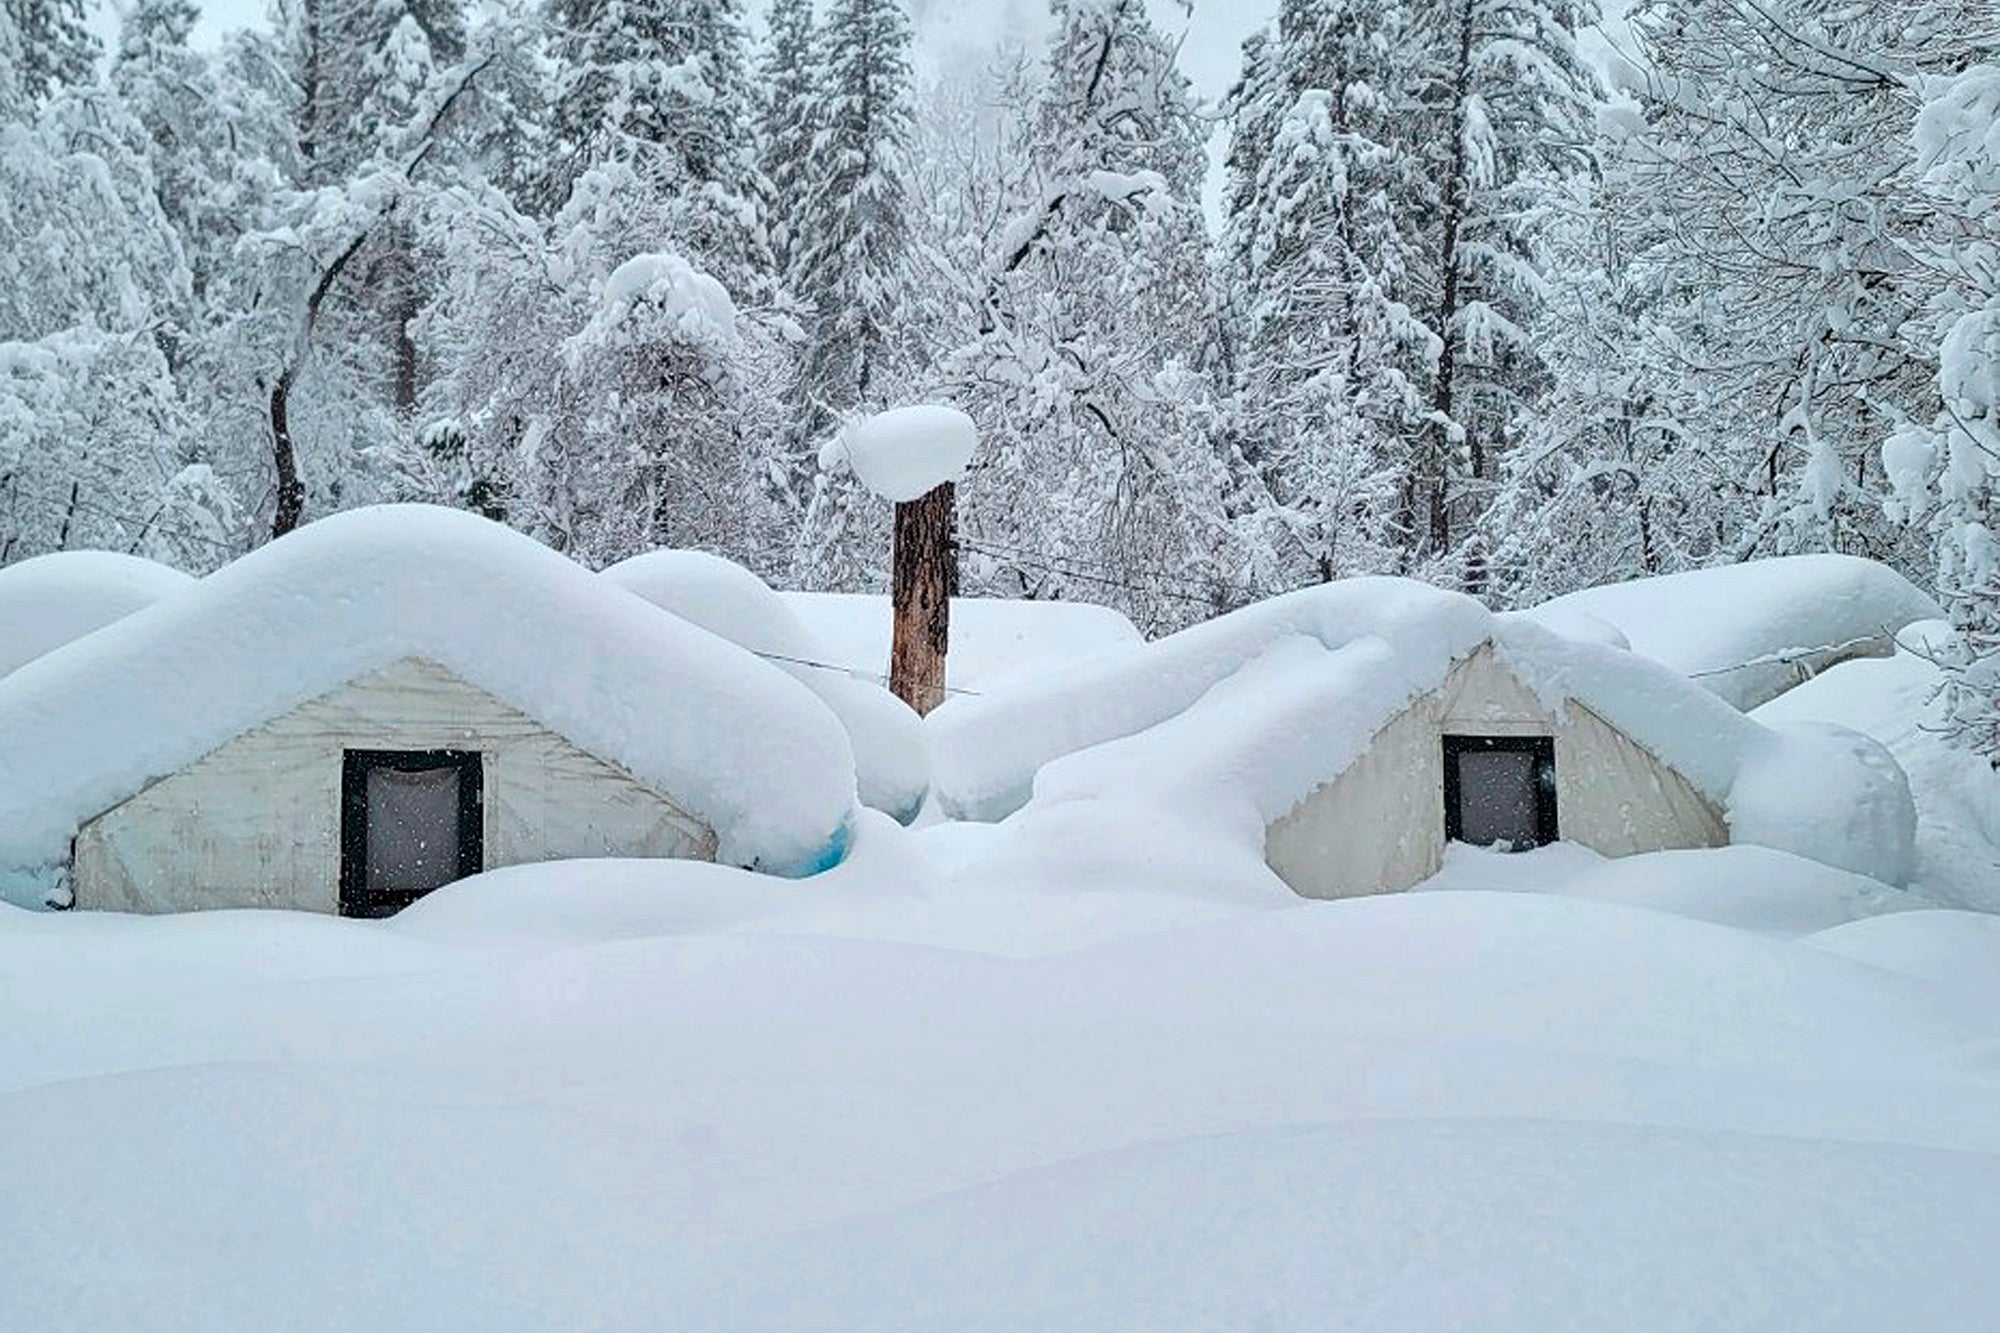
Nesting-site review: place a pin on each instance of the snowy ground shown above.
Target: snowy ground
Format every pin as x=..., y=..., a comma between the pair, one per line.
x=639, y=1096
x=1049, y=1075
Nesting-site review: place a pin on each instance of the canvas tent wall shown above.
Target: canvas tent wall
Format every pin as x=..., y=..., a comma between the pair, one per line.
x=1380, y=825
x=188, y=753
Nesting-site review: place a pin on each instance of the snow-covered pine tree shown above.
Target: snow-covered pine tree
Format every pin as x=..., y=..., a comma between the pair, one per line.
x=850, y=257
x=1501, y=107
x=788, y=78
x=1086, y=371
x=50, y=46
x=663, y=87
x=851, y=245
x=1945, y=467
x=1330, y=364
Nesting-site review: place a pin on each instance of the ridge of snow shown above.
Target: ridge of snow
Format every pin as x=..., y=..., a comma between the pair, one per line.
x=733, y=739
x=49, y=600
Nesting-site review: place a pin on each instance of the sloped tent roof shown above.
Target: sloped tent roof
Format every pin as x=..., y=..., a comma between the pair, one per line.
x=48, y=600
x=732, y=739
x=726, y=599
x=1238, y=719
x=1737, y=630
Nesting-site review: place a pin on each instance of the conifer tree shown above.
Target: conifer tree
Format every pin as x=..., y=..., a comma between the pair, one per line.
x=787, y=112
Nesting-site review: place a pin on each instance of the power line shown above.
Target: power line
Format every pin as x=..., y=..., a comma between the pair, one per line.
x=868, y=676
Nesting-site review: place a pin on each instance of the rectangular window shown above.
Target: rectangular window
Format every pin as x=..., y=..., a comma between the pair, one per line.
x=410, y=821
x=1500, y=791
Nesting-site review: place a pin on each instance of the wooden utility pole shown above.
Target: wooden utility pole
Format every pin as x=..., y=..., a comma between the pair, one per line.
x=925, y=574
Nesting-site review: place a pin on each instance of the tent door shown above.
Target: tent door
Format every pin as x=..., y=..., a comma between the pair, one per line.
x=410, y=821
x=1500, y=791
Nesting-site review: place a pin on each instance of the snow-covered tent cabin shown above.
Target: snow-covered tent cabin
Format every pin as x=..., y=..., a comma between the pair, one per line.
x=892, y=762
x=51, y=599
x=1351, y=731
x=1750, y=631
x=388, y=700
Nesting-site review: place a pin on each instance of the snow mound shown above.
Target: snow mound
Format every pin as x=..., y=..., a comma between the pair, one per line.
x=551, y=904
x=51, y=599
x=1957, y=950
x=892, y=760
x=734, y=740
x=1829, y=793
x=907, y=451
x=1751, y=631
x=1957, y=793
x=1758, y=889
x=992, y=638
x=692, y=304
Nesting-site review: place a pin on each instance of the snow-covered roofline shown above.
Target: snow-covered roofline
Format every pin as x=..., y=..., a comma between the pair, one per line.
x=51, y=599
x=734, y=740
x=1240, y=718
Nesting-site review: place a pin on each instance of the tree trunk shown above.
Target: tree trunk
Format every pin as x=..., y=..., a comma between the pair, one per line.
x=1451, y=220
x=925, y=573
x=285, y=459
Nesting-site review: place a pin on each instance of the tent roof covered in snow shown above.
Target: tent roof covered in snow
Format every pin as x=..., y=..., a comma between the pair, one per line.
x=1242, y=717
x=1748, y=632
x=51, y=599
x=735, y=742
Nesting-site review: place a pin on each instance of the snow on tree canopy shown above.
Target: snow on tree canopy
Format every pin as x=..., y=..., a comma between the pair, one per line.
x=1233, y=722
x=49, y=600
x=1748, y=632
x=890, y=754
x=676, y=297
x=903, y=453
x=731, y=738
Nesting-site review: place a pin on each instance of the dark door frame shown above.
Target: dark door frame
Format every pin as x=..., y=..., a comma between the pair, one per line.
x=1543, y=748
x=356, y=899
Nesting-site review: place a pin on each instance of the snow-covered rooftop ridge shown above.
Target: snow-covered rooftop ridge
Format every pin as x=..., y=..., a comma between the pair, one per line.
x=988, y=748
x=733, y=739
x=890, y=753
x=1742, y=631
x=51, y=599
